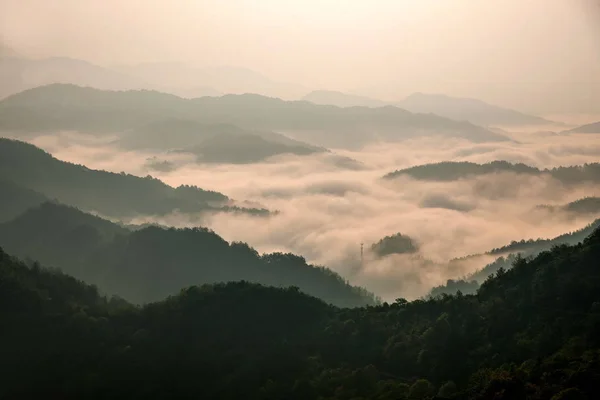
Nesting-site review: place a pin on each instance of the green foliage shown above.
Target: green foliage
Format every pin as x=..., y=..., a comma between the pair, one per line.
x=531, y=332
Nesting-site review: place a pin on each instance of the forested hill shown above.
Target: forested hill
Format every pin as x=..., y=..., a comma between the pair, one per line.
x=108, y=193
x=532, y=332
x=450, y=171
x=151, y=263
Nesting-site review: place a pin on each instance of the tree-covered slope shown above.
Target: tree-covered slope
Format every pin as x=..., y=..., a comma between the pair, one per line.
x=108, y=193
x=153, y=262
x=532, y=332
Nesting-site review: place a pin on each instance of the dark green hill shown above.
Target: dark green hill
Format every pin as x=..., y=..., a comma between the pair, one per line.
x=15, y=199
x=151, y=263
x=532, y=332
x=108, y=193
x=450, y=171
x=68, y=107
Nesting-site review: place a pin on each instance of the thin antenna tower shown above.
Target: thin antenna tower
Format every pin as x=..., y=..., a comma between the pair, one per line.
x=361, y=254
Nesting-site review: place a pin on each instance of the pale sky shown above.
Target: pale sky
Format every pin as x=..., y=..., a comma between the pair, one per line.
x=533, y=54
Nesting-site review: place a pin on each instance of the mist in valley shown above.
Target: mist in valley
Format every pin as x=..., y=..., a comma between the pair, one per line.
x=326, y=210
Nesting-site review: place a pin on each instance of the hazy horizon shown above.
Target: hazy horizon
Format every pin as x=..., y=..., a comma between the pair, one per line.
x=541, y=57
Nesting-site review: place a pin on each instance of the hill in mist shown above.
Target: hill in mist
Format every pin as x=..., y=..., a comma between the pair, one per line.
x=153, y=262
x=462, y=109
x=190, y=81
x=108, y=193
x=68, y=107
x=394, y=244
x=340, y=99
x=216, y=143
x=19, y=74
x=475, y=111
x=589, y=128
x=451, y=171
x=530, y=332
x=587, y=205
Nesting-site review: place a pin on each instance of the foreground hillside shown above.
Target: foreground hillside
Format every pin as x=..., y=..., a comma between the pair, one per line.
x=108, y=193
x=151, y=263
x=532, y=332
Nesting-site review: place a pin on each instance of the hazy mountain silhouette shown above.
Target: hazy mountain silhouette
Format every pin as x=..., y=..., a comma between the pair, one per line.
x=56, y=107
x=475, y=111
x=450, y=171
x=18, y=74
x=339, y=99
x=108, y=193
x=461, y=109
x=589, y=128
x=214, y=142
x=243, y=148
x=181, y=79
x=151, y=263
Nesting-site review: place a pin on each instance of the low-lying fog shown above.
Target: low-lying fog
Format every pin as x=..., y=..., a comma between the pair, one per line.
x=326, y=210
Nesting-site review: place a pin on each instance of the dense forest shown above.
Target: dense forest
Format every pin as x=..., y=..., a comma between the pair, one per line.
x=531, y=332
x=108, y=193
x=152, y=262
x=451, y=171
x=69, y=107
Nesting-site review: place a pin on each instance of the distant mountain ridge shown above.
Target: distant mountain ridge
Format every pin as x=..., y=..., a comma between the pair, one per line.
x=473, y=110
x=462, y=109
x=70, y=107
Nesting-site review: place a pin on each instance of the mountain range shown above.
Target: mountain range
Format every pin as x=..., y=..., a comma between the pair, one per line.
x=456, y=108
x=70, y=107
